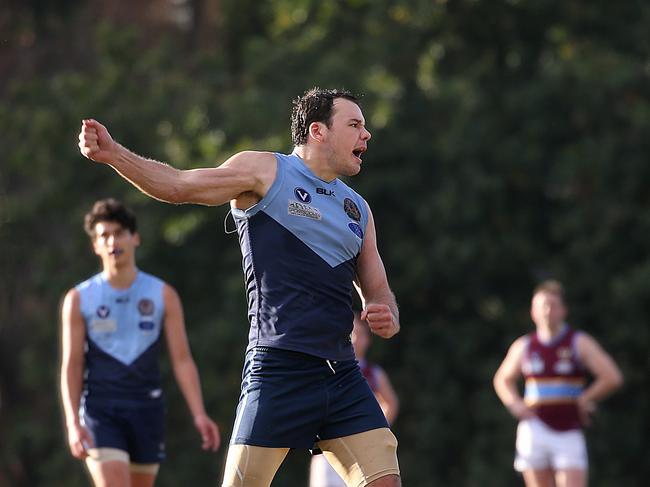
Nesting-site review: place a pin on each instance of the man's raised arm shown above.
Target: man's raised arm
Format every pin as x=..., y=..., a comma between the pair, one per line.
x=245, y=172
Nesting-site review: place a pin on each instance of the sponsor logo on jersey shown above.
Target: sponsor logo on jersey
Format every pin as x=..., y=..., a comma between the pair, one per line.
x=356, y=229
x=103, y=311
x=103, y=325
x=299, y=209
x=122, y=299
x=564, y=353
x=302, y=195
x=534, y=365
x=351, y=209
x=146, y=307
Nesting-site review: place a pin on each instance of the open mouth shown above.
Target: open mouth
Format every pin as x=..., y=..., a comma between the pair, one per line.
x=116, y=252
x=358, y=152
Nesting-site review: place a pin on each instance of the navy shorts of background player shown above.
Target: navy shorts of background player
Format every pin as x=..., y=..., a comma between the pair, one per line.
x=301, y=382
x=122, y=402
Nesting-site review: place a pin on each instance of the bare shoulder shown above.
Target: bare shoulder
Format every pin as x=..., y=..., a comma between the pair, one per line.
x=586, y=344
x=71, y=297
x=518, y=346
x=170, y=295
x=253, y=160
x=258, y=165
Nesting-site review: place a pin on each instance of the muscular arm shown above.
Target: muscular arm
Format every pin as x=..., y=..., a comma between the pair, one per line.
x=607, y=375
x=506, y=377
x=185, y=370
x=244, y=174
x=73, y=334
x=386, y=397
x=379, y=304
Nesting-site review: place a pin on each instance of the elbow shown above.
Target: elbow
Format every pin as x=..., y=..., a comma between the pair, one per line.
x=496, y=381
x=617, y=380
x=176, y=195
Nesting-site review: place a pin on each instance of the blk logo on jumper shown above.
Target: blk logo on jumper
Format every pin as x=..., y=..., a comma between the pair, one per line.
x=302, y=195
x=326, y=192
x=145, y=307
x=351, y=209
x=103, y=311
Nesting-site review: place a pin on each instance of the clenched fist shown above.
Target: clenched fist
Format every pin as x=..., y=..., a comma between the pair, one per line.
x=381, y=320
x=95, y=142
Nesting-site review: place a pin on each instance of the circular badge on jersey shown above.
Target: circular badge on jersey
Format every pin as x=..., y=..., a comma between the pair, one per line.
x=302, y=195
x=146, y=307
x=351, y=209
x=356, y=229
x=103, y=311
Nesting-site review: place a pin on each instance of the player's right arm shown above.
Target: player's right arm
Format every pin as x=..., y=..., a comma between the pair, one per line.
x=246, y=175
x=73, y=333
x=506, y=377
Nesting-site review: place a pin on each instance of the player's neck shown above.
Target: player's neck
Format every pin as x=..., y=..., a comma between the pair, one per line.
x=548, y=331
x=316, y=162
x=121, y=277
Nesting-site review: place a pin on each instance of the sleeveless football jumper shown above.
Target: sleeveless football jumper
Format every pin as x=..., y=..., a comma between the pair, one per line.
x=554, y=378
x=299, y=245
x=123, y=331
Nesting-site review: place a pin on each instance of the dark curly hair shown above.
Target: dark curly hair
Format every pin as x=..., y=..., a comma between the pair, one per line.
x=315, y=105
x=109, y=210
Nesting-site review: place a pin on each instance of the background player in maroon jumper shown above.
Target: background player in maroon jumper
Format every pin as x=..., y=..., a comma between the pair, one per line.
x=555, y=361
x=321, y=474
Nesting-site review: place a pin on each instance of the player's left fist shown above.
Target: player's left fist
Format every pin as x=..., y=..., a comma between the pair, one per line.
x=381, y=320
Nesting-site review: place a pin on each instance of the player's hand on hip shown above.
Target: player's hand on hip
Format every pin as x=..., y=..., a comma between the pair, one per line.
x=381, y=320
x=79, y=440
x=586, y=409
x=520, y=410
x=210, y=436
x=95, y=142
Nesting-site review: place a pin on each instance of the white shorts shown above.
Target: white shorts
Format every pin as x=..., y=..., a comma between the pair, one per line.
x=321, y=473
x=540, y=447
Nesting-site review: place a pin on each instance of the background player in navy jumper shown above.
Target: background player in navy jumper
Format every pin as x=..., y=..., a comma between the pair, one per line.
x=110, y=382
x=554, y=361
x=307, y=239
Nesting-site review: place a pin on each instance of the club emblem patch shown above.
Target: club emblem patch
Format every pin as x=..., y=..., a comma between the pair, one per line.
x=356, y=229
x=302, y=195
x=351, y=209
x=103, y=311
x=146, y=307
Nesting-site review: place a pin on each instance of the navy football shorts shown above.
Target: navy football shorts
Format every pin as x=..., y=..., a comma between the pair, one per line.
x=291, y=400
x=133, y=427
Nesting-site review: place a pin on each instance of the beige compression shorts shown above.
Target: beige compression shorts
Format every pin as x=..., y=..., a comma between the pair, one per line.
x=359, y=459
x=101, y=455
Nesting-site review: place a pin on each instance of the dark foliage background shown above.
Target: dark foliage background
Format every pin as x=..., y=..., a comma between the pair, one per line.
x=510, y=144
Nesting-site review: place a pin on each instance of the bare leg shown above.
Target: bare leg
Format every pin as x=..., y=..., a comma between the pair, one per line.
x=387, y=481
x=539, y=478
x=571, y=477
x=140, y=479
x=109, y=474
